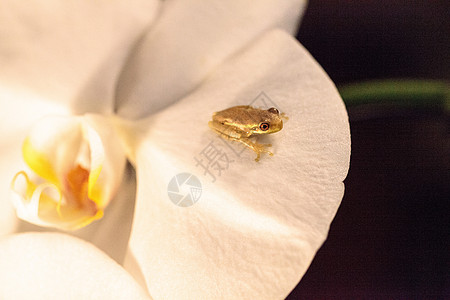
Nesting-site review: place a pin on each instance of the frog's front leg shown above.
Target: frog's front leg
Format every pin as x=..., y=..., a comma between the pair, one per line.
x=284, y=116
x=257, y=147
x=235, y=134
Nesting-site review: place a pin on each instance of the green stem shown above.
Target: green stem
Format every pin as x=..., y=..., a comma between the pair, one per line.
x=400, y=92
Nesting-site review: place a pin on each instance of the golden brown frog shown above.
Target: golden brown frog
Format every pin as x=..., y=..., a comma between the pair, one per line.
x=239, y=123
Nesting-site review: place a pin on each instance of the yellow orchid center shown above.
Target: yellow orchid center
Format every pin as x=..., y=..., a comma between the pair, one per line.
x=70, y=189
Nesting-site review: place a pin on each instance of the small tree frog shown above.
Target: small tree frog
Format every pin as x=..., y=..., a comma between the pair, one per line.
x=239, y=123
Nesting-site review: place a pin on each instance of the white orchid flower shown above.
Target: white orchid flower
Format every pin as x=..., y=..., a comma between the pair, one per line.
x=73, y=71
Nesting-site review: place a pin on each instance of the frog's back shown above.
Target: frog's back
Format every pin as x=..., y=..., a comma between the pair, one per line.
x=238, y=115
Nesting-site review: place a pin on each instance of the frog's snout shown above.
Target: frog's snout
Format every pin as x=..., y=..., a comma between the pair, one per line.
x=277, y=126
x=280, y=125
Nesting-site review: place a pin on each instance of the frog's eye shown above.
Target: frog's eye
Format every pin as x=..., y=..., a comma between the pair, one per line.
x=273, y=110
x=264, y=126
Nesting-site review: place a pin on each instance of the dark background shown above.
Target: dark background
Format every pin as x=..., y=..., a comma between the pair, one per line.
x=390, y=237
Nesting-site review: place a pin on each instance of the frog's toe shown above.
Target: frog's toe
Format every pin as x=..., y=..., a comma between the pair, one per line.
x=268, y=152
x=264, y=149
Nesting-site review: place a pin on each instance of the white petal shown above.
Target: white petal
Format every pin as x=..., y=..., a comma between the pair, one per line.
x=70, y=51
x=19, y=111
x=188, y=40
x=56, y=266
x=255, y=230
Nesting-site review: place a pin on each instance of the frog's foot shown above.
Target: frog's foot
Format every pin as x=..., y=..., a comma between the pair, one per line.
x=261, y=148
x=284, y=116
x=258, y=148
